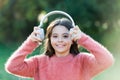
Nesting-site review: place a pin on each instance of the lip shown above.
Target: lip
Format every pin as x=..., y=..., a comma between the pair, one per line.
x=60, y=45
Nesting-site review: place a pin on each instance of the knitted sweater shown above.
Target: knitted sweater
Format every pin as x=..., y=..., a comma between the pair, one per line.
x=83, y=66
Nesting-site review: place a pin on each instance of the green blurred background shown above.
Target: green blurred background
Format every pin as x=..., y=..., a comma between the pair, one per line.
x=98, y=18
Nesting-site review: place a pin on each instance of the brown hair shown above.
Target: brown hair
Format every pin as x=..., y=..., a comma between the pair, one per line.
x=48, y=47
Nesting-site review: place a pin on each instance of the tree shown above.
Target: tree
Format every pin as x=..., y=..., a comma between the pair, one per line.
x=95, y=17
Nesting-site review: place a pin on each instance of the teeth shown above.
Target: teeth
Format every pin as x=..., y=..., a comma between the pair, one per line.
x=60, y=45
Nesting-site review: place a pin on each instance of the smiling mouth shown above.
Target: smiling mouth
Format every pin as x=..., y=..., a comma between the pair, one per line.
x=60, y=46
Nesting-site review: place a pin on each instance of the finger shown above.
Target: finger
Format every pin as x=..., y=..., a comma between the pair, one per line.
x=74, y=31
x=37, y=32
x=71, y=31
x=77, y=26
x=36, y=38
x=36, y=28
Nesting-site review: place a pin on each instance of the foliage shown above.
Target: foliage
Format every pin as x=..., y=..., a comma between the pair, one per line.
x=95, y=17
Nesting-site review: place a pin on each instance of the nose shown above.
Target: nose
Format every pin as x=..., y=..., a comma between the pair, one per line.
x=60, y=39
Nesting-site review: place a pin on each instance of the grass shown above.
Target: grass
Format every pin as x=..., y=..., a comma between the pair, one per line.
x=6, y=51
x=111, y=41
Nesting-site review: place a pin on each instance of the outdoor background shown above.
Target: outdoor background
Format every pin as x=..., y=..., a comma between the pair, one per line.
x=98, y=18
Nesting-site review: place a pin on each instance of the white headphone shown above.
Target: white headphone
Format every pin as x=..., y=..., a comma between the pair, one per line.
x=52, y=13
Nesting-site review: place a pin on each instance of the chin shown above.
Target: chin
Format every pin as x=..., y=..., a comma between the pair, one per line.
x=61, y=51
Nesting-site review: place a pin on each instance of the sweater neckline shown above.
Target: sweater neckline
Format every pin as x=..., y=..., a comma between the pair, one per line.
x=63, y=58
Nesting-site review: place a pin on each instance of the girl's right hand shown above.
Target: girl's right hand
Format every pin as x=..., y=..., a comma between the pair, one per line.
x=35, y=35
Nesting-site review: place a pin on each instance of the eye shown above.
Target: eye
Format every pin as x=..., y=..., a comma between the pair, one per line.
x=65, y=36
x=54, y=36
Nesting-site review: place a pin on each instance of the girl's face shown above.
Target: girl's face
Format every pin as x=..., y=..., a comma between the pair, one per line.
x=61, y=40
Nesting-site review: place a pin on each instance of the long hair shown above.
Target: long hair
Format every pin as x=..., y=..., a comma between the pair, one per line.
x=48, y=47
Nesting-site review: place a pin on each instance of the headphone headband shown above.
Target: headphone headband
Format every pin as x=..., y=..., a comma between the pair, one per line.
x=56, y=12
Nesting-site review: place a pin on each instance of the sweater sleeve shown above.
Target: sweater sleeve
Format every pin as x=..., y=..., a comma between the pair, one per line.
x=99, y=58
x=18, y=65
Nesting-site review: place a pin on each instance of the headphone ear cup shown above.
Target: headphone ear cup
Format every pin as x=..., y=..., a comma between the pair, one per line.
x=41, y=36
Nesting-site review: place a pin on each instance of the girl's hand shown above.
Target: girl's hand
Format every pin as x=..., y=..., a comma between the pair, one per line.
x=75, y=33
x=35, y=35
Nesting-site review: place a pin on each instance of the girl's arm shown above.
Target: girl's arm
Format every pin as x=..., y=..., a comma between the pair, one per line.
x=99, y=58
x=18, y=64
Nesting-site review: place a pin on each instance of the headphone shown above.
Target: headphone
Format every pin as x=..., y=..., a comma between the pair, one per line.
x=52, y=13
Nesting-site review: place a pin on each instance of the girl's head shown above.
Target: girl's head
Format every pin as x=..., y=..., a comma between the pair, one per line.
x=58, y=39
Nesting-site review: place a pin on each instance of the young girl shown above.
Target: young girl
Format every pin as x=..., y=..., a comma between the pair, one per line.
x=62, y=59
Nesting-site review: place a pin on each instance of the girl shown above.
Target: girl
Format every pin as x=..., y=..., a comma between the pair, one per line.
x=62, y=59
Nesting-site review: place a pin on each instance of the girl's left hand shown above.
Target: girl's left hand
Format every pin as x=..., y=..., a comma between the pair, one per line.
x=75, y=33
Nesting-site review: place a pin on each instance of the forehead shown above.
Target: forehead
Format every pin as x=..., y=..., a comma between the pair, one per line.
x=60, y=29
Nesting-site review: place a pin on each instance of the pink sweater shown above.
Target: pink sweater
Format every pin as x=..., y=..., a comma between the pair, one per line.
x=83, y=66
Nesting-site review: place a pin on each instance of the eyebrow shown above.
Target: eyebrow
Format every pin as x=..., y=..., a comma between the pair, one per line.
x=63, y=33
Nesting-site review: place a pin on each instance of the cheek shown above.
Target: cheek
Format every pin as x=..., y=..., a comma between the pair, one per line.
x=70, y=43
x=53, y=41
x=68, y=40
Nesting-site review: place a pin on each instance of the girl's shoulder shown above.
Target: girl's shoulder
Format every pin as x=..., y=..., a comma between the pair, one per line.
x=84, y=55
x=42, y=58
